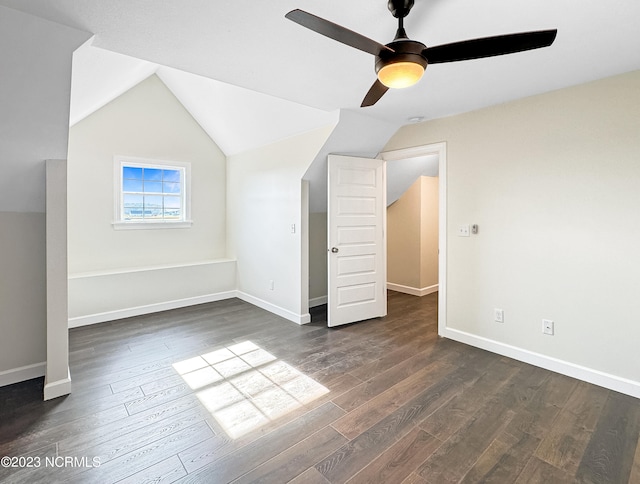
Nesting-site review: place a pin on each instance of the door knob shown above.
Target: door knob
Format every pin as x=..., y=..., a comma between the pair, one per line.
x=334, y=250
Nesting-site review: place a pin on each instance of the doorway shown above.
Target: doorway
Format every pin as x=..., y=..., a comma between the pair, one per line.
x=317, y=275
x=412, y=225
x=438, y=150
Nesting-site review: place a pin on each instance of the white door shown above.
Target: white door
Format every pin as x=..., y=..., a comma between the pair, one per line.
x=357, y=262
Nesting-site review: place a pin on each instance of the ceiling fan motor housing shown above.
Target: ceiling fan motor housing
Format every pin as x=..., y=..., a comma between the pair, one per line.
x=403, y=51
x=400, y=8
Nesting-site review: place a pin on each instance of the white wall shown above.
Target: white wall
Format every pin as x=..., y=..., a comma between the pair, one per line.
x=34, y=119
x=264, y=200
x=403, y=239
x=318, y=289
x=23, y=295
x=145, y=122
x=552, y=182
x=429, y=222
x=412, y=239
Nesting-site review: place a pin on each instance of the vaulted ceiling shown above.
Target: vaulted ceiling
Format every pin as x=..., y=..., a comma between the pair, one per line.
x=250, y=45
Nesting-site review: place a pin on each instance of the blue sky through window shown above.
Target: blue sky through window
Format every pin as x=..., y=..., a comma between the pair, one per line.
x=152, y=193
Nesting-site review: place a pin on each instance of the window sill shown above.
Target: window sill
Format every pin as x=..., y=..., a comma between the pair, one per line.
x=151, y=225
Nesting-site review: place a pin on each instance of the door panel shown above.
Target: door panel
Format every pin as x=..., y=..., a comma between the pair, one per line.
x=357, y=254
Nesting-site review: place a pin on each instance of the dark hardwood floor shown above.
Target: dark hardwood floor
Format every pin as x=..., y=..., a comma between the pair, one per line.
x=226, y=392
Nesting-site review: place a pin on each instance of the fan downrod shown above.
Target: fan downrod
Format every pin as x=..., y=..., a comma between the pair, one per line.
x=400, y=8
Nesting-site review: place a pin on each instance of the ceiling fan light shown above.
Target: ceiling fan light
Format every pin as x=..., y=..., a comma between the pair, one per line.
x=398, y=75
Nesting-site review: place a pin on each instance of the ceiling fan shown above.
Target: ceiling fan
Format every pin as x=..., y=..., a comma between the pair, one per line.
x=402, y=62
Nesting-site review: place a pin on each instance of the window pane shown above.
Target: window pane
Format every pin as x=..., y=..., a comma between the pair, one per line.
x=172, y=202
x=132, y=172
x=132, y=200
x=152, y=193
x=154, y=187
x=132, y=185
x=152, y=201
x=171, y=175
x=133, y=213
x=153, y=174
x=171, y=187
x=152, y=206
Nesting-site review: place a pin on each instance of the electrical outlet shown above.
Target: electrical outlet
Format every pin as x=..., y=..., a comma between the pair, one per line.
x=463, y=230
x=547, y=326
x=498, y=315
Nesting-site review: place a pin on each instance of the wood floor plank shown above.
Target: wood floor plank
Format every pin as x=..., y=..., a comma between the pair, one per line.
x=414, y=478
x=346, y=461
x=310, y=476
x=164, y=472
x=32, y=439
x=635, y=468
x=144, y=457
x=534, y=415
x=565, y=443
x=459, y=410
x=503, y=460
x=400, y=460
x=26, y=474
x=106, y=431
x=376, y=385
x=296, y=459
x=587, y=403
x=234, y=461
x=33, y=422
x=396, y=357
x=144, y=379
x=540, y=472
x=610, y=454
x=146, y=402
x=453, y=459
x=132, y=441
x=357, y=421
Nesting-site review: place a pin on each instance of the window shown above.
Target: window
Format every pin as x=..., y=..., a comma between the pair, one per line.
x=151, y=193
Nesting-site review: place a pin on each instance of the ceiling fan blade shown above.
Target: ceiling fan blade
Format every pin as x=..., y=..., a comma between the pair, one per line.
x=336, y=32
x=375, y=93
x=489, y=46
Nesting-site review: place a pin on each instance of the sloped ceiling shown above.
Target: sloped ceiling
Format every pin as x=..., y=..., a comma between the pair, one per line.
x=250, y=44
x=237, y=119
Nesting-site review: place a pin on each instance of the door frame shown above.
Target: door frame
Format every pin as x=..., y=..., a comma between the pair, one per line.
x=439, y=149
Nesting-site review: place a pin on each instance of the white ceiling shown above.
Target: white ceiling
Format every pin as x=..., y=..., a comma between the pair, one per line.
x=237, y=119
x=401, y=174
x=251, y=45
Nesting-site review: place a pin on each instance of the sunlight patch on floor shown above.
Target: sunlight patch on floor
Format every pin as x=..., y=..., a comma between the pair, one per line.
x=245, y=387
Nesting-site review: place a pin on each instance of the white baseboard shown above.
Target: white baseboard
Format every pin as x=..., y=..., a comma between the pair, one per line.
x=180, y=303
x=57, y=388
x=147, y=309
x=15, y=375
x=317, y=301
x=606, y=380
x=272, y=308
x=414, y=291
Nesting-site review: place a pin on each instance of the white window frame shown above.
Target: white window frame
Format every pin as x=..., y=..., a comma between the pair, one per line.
x=118, y=218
